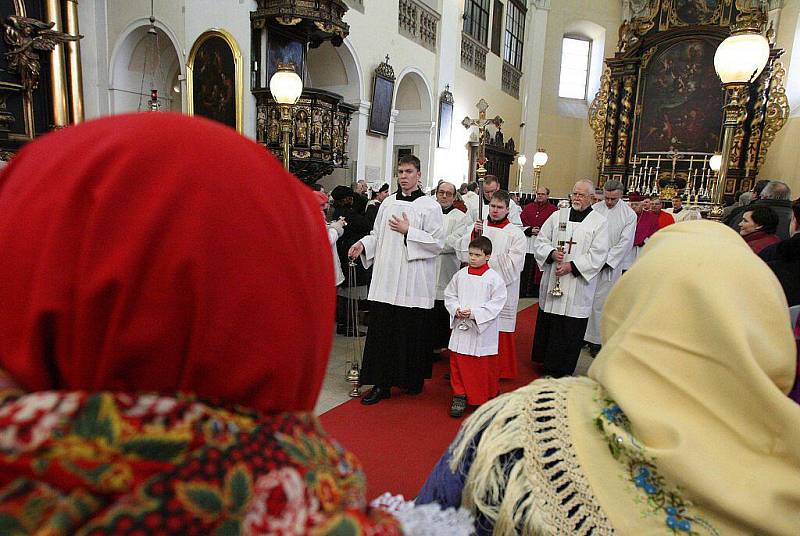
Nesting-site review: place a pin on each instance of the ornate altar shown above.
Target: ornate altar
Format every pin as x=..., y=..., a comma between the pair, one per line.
x=658, y=116
x=500, y=155
x=320, y=119
x=40, y=70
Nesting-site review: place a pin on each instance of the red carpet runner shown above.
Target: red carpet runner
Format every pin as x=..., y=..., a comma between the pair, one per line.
x=399, y=440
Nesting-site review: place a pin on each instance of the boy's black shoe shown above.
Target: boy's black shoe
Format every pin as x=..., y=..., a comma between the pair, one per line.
x=458, y=406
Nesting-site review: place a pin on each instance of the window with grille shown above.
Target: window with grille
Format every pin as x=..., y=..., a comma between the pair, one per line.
x=575, y=57
x=476, y=19
x=515, y=34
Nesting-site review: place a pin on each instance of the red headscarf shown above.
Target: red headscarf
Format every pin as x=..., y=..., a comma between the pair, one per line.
x=156, y=252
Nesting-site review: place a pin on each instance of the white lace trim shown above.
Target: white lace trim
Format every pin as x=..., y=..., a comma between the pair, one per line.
x=426, y=519
x=547, y=492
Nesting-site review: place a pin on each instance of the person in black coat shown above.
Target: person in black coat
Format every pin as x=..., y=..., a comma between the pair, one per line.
x=775, y=195
x=784, y=259
x=358, y=226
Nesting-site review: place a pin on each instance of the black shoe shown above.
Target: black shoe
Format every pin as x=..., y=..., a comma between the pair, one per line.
x=375, y=395
x=594, y=349
x=458, y=406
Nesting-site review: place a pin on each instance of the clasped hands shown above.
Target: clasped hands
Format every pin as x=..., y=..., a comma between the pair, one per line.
x=400, y=225
x=463, y=314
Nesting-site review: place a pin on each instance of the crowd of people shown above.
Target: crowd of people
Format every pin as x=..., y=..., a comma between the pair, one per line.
x=156, y=376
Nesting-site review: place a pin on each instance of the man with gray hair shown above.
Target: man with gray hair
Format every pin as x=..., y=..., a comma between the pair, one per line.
x=776, y=195
x=621, y=220
x=571, y=249
x=456, y=223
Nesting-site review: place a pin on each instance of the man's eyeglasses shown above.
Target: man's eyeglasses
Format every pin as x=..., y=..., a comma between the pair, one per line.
x=445, y=194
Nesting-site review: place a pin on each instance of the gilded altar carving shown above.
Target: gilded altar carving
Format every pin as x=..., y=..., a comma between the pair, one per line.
x=647, y=56
x=326, y=129
x=757, y=121
x=625, y=119
x=738, y=138
x=261, y=123
x=274, y=135
x=598, y=113
x=25, y=36
x=611, y=123
x=316, y=129
x=777, y=110
x=301, y=128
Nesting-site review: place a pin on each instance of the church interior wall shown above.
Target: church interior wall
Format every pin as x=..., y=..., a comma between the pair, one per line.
x=783, y=158
x=563, y=124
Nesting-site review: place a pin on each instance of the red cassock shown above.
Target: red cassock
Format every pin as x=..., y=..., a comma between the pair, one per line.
x=534, y=215
x=664, y=219
x=476, y=377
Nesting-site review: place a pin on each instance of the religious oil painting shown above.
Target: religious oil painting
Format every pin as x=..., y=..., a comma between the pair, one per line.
x=215, y=79
x=696, y=11
x=682, y=100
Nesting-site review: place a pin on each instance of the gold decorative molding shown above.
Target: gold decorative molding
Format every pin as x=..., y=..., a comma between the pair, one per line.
x=74, y=63
x=777, y=110
x=611, y=123
x=737, y=147
x=647, y=56
x=598, y=113
x=25, y=36
x=625, y=119
x=757, y=121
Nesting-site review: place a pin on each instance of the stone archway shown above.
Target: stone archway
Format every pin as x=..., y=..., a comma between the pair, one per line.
x=414, y=124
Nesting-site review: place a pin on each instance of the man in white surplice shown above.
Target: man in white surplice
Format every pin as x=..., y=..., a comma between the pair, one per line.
x=561, y=322
x=621, y=229
x=456, y=223
x=407, y=237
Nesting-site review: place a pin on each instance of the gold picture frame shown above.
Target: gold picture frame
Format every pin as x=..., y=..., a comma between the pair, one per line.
x=210, y=66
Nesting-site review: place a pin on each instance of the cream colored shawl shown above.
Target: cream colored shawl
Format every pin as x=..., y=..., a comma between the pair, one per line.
x=686, y=428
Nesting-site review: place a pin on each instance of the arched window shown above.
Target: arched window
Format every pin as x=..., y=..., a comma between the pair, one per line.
x=576, y=55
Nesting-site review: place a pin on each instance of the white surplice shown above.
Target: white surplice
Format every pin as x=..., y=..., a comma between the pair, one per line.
x=508, y=258
x=687, y=214
x=621, y=221
x=485, y=296
x=456, y=223
x=471, y=200
x=588, y=252
x=405, y=266
x=333, y=237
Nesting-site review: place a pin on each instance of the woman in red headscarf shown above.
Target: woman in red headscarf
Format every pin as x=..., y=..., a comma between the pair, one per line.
x=152, y=378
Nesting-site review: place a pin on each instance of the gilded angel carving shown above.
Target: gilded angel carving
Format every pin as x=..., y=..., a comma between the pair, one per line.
x=25, y=36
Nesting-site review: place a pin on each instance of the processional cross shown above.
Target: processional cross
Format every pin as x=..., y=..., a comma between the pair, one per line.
x=481, y=122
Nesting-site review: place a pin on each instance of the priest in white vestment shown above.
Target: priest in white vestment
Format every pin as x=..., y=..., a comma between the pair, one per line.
x=508, y=258
x=471, y=199
x=561, y=323
x=407, y=237
x=682, y=213
x=621, y=221
x=456, y=223
x=491, y=184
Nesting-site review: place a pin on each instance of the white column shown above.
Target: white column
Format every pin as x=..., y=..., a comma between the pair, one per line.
x=358, y=143
x=388, y=163
x=535, y=35
x=448, y=59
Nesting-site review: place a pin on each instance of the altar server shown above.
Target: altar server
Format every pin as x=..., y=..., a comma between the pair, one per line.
x=508, y=258
x=474, y=299
x=403, y=245
x=621, y=220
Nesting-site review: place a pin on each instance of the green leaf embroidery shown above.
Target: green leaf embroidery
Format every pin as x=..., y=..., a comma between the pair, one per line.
x=155, y=449
x=10, y=526
x=228, y=528
x=204, y=500
x=344, y=526
x=91, y=424
x=238, y=484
